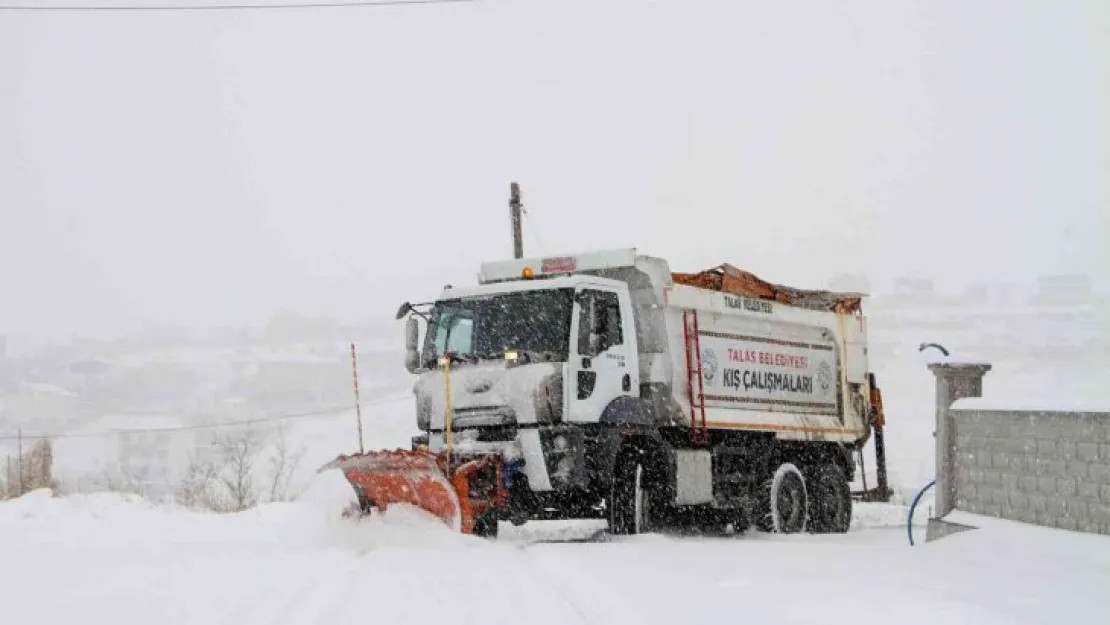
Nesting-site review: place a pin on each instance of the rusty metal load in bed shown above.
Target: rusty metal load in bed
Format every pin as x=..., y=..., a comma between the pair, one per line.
x=729, y=279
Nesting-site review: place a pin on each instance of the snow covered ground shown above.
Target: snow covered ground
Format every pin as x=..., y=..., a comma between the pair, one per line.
x=113, y=559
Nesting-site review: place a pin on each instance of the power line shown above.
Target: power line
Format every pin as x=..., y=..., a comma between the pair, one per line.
x=203, y=426
x=224, y=7
x=534, y=231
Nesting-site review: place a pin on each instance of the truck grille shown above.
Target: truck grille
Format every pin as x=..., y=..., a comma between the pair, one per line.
x=483, y=417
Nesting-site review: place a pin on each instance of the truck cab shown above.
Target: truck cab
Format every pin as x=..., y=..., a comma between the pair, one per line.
x=530, y=362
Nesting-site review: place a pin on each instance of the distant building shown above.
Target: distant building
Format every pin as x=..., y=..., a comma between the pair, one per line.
x=988, y=293
x=1063, y=289
x=296, y=384
x=147, y=453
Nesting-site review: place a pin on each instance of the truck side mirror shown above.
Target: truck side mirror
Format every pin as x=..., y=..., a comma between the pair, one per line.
x=412, y=342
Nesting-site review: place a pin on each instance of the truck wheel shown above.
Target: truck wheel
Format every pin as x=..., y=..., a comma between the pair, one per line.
x=783, y=502
x=358, y=509
x=486, y=526
x=631, y=508
x=830, y=501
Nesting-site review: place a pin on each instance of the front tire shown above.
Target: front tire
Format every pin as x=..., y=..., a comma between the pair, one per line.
x=486, y=526
x=632, y=501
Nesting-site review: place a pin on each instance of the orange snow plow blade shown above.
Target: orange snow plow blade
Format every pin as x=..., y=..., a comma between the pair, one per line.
x=458, y=495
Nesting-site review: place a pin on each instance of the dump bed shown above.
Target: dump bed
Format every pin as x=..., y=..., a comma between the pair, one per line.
x=751, y=355
x=726, y=278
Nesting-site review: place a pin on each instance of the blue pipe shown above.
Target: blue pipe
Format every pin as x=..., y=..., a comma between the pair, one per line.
x=909, y=519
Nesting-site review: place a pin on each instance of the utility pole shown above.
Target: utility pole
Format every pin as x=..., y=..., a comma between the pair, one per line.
x=514, y=214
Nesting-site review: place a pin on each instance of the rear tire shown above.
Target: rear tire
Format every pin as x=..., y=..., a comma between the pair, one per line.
x=830, y=500
x=783, y=505
x=632, y=501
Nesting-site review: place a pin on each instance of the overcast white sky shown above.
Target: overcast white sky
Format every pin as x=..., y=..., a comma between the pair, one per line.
x=203, y=168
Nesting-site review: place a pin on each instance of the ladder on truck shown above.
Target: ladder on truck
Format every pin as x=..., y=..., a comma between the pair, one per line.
x=699, y=435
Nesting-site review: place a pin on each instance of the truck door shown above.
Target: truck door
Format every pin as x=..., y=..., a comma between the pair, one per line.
x=603, y=363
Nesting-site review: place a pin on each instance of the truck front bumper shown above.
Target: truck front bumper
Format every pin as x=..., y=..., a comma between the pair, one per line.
x=551, y=457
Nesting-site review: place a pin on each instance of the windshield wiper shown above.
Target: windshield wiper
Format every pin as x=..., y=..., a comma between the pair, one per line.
x=467, y=358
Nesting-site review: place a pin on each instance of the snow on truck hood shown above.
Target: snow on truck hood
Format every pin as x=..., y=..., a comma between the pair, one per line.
x=489, y=386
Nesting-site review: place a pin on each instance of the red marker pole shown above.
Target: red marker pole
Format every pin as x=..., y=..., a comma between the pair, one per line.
x=358, y=403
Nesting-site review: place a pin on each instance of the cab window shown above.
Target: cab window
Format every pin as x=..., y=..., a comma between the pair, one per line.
x=454, y=333
x=599, y=312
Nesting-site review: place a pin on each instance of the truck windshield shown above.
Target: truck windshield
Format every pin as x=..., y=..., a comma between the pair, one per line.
x=534, y=323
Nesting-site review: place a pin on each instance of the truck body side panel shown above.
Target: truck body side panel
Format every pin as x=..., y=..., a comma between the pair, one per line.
x=770, y=367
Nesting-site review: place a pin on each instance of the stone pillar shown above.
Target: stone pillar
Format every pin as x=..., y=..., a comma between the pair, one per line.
x=954, y=381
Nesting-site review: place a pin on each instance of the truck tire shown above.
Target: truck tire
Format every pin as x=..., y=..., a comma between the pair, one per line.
x=632, y=499
x=783, y=502
x=486, y=526
x=830, y=500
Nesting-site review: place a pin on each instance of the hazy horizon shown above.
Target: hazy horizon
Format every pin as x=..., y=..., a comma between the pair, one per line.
x=211, y=169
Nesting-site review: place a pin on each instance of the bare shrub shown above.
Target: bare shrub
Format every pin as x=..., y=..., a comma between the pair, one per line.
x=283, y=464
x=127, y=480
x=196, y=488
x=39, y=469
x=236, y=453
x=240, y=469
x=7, y=484
x=34, y=470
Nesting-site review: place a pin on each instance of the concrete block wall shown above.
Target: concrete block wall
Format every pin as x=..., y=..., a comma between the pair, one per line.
x=1048, y=468
x=1051, y=468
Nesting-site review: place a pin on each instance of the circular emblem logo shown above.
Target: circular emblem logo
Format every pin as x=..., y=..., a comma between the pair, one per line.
x=709, y=365
x=824, y=376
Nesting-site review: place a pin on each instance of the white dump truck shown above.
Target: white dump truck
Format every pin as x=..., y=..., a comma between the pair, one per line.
x=608, y=386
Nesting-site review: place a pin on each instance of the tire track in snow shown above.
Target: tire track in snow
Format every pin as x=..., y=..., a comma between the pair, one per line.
x=589, y=596
x=583, y=616
x=324, y=599
x=277, y=601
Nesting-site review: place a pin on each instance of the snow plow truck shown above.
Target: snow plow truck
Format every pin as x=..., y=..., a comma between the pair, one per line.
x=603, y=385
